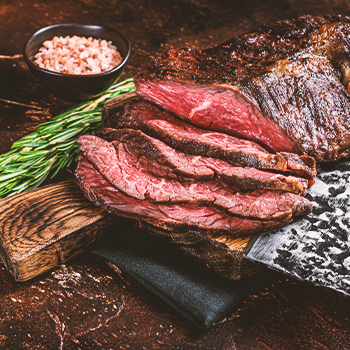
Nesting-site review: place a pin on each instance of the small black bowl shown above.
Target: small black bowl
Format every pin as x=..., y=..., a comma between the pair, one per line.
x=72, y=87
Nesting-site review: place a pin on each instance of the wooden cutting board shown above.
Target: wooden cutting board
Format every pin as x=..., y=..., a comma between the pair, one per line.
x=46, y=227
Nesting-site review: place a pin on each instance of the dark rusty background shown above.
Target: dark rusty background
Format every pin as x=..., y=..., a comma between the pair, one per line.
x=89, y=304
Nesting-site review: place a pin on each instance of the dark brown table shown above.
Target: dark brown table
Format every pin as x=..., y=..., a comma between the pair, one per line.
x=89, y=303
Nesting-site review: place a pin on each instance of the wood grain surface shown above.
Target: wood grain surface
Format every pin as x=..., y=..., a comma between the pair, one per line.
x=46, y=227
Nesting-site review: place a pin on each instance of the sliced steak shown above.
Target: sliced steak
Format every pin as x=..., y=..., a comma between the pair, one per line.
x=280, y=85
x=183, y=217
x=162, y=160
x=189, y=139
x=271, y=205
x=122, y=168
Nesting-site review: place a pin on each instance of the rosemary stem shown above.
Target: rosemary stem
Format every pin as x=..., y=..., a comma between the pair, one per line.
x=53, y=145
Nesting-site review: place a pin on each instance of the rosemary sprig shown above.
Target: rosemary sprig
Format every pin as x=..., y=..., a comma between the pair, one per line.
x=53, y=145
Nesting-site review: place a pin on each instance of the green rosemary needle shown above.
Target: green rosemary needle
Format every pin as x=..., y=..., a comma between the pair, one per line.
x=53, y=145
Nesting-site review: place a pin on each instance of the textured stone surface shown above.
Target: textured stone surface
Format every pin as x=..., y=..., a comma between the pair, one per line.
x=87, y=304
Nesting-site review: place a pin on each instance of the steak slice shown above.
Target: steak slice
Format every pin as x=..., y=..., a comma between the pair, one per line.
x=162, y=160
x=280, y=85
x=122, y=168
x=171, y=217
x=189, y=139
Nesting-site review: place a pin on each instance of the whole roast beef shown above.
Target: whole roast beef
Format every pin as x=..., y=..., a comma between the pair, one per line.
x=283, y=85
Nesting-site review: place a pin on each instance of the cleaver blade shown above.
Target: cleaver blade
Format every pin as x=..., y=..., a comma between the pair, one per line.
x=315, y=248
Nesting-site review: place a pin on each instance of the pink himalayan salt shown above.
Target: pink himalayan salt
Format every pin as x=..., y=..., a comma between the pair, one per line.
x=77, y=55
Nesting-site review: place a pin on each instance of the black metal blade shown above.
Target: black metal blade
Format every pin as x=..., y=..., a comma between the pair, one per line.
x=315, y=248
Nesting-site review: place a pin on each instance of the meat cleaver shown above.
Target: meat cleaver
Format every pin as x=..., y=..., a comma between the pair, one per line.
x=315, y=248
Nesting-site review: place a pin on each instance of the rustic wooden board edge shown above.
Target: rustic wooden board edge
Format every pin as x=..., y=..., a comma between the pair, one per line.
x=62, y=250
x=40, y=248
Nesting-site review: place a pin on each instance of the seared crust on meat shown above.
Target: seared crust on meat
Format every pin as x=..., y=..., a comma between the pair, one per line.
x=164, y=161
x=281, y=84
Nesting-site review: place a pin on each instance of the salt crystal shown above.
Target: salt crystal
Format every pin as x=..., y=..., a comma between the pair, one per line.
x=96, y=70
x=59, y=67
x=91, y=62
x=48, y=44
x=77, y=70
x=63, y=40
